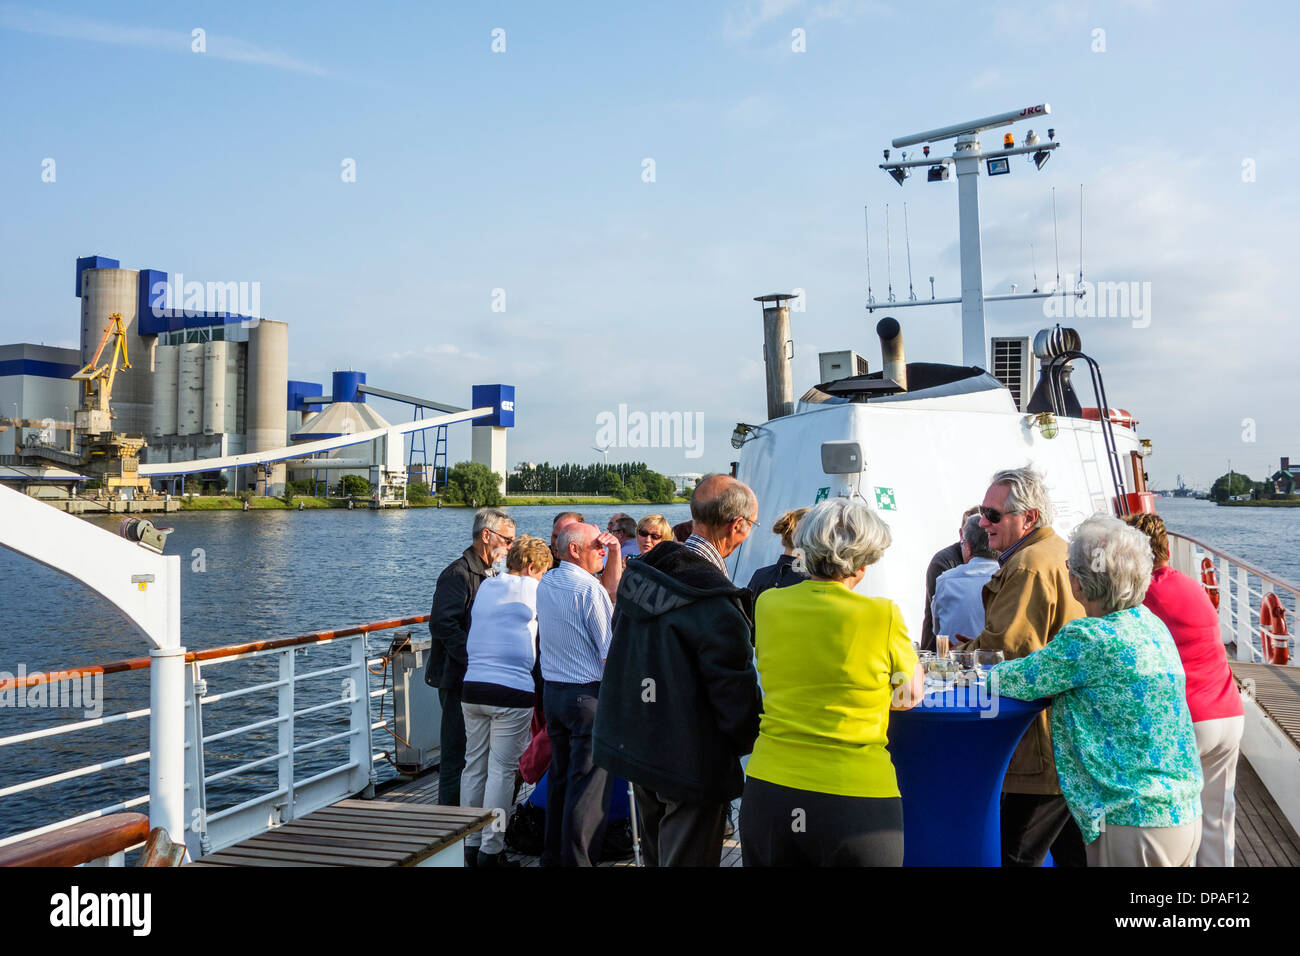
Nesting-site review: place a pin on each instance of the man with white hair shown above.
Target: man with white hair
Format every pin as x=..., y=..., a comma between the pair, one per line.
x=573, y=630
x=1026, y=602
x=958, y=605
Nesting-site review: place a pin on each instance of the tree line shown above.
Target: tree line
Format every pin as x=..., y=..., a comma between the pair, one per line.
x=624, y=480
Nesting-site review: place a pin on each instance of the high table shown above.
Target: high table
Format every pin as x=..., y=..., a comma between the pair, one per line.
x=950, y=753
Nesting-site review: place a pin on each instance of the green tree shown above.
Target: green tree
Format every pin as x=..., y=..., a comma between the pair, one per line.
x=1241, y=485
x=355, y=486
x=611, y=484
x=634, y=488
x=473, y=483
x=417, y=491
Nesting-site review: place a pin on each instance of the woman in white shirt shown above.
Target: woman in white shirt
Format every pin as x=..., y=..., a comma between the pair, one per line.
x=499, y=692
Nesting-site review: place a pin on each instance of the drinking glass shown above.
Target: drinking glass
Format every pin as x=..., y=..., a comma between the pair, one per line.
x=941, y=645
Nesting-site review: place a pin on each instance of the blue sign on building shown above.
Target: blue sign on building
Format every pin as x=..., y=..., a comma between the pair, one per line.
x=500, y=397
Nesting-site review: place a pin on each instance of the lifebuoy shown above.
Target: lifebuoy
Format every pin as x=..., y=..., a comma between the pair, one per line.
x=1210, y=581
x=1273, y=639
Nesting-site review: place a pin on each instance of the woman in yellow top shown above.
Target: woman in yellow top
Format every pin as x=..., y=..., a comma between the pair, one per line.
x=821, y=789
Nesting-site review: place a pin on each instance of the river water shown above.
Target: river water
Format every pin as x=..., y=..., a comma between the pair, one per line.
x=262, y=575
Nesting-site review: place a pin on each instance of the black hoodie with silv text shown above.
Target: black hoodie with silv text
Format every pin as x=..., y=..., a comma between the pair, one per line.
x=679, y=701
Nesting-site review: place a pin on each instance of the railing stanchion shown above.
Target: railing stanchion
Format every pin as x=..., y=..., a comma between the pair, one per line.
x=285, y=734
x=1245, y=633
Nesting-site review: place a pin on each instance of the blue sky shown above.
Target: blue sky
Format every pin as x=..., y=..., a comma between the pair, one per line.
x=522, y=170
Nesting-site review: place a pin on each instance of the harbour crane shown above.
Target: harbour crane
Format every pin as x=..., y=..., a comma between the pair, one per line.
x=96, y=415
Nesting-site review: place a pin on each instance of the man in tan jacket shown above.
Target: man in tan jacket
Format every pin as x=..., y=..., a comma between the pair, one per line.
x=1026, y=602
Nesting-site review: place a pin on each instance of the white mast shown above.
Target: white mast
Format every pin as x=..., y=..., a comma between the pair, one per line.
x=966, y=159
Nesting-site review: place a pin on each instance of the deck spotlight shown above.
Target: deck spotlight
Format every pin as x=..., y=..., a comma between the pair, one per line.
x=937, y=174
x=1146, y=447
x=899, y=173
x=998, y=165
x=1046, y=422
x=1041, y=157
x=741, y=434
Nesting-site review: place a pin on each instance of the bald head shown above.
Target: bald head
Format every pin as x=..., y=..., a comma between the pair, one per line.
x=577, y=544
x=719, y=500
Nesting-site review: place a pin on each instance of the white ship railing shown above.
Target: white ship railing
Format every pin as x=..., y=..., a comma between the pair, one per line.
x=1241, y=587
x=312, y=717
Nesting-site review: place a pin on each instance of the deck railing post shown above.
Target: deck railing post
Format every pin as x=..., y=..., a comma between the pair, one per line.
x=1245, y=632
x=197, y=840
x=284, y=733
x=360, y=749
x=167, y=713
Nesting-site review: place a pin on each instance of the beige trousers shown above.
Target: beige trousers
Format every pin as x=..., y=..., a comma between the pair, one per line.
x=1146, y=846
x=1219, y=743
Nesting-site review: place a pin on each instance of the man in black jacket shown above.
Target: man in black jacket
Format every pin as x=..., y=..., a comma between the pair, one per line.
x=453, y=597
x=679, y=701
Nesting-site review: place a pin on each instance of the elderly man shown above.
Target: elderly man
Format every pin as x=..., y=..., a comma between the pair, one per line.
x=1026, y=602
x=959, y=593
x=573, y=628
x=623, y=527
x=610, y=574
x=944, y=560
x=453, y=597
x=681, y=698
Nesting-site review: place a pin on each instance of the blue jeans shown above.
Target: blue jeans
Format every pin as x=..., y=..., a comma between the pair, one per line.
x=579, y=790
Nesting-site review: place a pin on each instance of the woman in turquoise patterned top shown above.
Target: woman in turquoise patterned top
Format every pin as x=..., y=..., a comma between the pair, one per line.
x=1125, y=749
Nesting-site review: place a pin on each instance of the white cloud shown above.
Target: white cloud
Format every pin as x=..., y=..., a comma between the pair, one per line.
x=71, y=27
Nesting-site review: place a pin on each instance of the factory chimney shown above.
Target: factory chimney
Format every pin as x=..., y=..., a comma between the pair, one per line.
x=778, y=353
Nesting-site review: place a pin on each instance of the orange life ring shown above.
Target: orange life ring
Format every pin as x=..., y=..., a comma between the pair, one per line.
x=1273, y=639
x=1210, y=581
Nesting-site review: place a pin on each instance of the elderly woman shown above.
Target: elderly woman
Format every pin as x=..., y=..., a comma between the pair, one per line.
x=1122, y=735
x=821, y=788
x=783, y=573
x=1212, y=698
x=499, y=692
x=651, y=531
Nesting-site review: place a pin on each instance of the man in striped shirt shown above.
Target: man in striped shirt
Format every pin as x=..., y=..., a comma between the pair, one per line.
x=573, y=629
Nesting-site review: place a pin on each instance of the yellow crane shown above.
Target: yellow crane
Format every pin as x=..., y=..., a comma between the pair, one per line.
x=96, y=415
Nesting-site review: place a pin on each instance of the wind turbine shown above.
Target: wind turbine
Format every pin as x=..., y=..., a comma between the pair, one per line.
x=604, y=450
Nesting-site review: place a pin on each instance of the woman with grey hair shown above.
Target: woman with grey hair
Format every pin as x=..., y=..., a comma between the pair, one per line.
x=1121, y=732
x=832, y=663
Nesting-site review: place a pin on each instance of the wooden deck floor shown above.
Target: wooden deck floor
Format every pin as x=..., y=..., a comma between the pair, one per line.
x=1263, y=835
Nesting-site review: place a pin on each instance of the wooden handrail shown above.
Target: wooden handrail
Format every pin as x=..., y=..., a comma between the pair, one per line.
x=79, y=843
x=216, y=653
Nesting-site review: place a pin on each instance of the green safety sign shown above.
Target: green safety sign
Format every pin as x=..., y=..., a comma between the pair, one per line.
x=822, y=495
x=885, y=499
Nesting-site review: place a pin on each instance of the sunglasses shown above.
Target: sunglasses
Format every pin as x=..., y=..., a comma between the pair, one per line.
x=650, y=534
x=993, y=516
x=508, y=541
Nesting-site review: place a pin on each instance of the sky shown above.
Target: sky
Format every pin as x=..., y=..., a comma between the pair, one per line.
x=582, y=199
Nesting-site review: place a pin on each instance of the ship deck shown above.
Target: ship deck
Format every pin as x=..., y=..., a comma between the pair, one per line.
x=1263, y=835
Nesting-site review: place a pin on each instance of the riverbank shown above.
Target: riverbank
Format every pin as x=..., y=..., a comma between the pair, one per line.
x=1263, y=503
x=228, y=503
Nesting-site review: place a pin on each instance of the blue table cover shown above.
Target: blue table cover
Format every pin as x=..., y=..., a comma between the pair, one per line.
x=950, y=753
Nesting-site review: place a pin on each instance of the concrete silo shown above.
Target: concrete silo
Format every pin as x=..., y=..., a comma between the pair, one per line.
x=220, y=385
x=267, y=386
x=166, y=376
x=104, y=289
x=189, y=390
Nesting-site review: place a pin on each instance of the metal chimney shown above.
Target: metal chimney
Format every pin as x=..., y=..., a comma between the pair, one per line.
x=778, y=353
x=891, y=349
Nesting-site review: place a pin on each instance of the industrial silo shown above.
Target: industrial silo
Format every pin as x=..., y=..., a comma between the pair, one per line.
x=220, y=381
x=104, y=291
x=165, y=377
x=189, y=390
x=267, y=385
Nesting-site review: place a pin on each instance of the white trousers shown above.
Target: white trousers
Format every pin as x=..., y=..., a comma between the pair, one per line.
x=1146, y=846
x=495, y=739
x=1219, y=744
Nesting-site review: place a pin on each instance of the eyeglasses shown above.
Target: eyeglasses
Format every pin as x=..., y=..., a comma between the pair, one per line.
x=992, y=515
x=752, y=522
x=509, y=541
x=650, y=534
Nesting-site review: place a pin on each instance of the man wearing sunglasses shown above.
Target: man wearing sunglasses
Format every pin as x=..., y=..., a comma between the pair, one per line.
x=623, y=527
x=453, y=597
x=1026, y=602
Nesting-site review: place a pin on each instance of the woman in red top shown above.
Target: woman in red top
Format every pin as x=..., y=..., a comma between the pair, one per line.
x=1212, y=696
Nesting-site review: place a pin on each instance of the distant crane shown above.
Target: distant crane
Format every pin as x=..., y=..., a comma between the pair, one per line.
x=96, y=415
